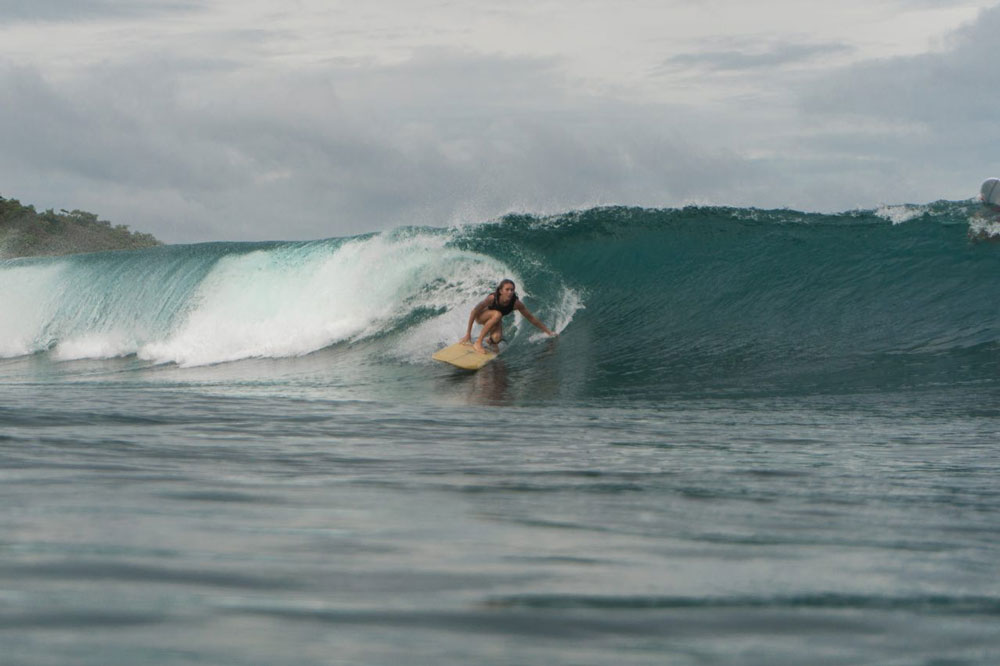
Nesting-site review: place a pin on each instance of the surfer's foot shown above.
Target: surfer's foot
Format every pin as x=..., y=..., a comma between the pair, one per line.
x=479, y=347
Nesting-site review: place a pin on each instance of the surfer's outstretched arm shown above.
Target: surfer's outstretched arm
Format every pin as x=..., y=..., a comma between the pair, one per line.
x=519, y=306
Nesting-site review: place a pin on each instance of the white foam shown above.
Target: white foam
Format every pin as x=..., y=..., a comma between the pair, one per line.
x=900, y=213
x=95, y=345
x=293, y=301
x=984, y=227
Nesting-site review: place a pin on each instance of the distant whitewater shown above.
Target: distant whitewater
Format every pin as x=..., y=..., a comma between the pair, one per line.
x=650, y=301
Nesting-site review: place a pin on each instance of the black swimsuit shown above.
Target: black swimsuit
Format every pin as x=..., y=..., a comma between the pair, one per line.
x=504, y=310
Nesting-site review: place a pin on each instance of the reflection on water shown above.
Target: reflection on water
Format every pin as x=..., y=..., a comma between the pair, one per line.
x=491, y=386
x=526, y=375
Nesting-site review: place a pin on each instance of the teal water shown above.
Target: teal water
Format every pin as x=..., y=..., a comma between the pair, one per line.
x=762, y=437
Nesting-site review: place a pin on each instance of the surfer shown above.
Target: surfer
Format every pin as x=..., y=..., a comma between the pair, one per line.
x=492, y=309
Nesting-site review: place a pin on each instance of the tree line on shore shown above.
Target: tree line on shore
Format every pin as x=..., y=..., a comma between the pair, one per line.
x=25, y=232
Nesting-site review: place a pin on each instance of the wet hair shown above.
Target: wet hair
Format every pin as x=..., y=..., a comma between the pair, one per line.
x=500, y=286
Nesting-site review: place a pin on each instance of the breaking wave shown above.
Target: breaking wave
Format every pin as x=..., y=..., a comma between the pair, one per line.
x=650, y=301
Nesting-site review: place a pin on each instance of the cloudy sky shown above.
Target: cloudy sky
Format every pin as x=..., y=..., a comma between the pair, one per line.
x=257, y=119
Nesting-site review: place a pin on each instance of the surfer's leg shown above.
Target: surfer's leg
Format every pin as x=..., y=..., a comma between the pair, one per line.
x=496, y=335
x=491, y=320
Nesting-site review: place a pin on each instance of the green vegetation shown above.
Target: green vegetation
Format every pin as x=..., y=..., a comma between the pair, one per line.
x=24, y=232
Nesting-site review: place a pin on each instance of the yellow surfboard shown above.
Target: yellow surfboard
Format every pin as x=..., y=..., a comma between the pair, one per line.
x=463, y=355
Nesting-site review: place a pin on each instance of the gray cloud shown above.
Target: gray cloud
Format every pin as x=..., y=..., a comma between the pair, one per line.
x=776, y=55
x=84, y=10
x=956, y=86
x=925, y=119
x=213, y=150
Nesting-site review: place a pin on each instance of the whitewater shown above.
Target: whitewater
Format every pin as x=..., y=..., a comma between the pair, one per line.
x=761, y=437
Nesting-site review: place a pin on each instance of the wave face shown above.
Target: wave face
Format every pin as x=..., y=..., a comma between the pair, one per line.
x=650, y=302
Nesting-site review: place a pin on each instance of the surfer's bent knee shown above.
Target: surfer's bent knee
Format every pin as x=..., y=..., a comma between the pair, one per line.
x=490, y=317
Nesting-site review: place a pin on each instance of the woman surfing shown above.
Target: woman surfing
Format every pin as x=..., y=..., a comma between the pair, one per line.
x=491, y=310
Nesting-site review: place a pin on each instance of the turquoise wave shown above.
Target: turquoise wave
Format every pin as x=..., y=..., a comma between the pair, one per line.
x=770, y=300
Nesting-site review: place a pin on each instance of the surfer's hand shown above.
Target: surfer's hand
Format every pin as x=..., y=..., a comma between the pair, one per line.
x=465, y=340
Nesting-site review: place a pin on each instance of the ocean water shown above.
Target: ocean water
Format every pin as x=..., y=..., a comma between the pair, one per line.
x=761, y=437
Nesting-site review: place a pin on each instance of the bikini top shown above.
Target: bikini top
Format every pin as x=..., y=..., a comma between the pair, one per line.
x=504, y=310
